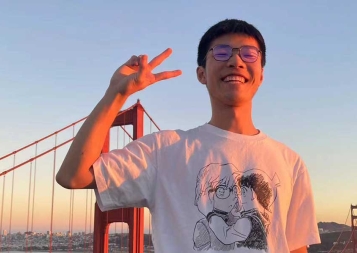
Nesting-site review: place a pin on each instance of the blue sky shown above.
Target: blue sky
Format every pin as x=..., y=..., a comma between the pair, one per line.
x=57, y=57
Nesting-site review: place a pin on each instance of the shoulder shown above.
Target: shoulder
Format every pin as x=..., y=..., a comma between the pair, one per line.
x=280, y=145
x=282, y=151
x=285, y=151
x=163, y=139
x=169, y=137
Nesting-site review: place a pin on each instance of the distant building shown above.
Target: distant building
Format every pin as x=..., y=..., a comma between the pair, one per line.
x=4, y=232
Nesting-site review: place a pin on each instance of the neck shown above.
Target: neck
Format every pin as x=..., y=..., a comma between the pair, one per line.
x=234, y=119
x=249, y=206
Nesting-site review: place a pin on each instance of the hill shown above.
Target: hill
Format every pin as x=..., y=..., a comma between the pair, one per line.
x=328, y=227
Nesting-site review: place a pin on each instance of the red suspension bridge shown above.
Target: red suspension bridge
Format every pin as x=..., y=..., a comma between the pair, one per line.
x=37, y=214
x=52, y=218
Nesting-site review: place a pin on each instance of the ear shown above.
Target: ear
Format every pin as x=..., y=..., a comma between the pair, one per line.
x=254, y=196
x=201, y=75
x=262, y=77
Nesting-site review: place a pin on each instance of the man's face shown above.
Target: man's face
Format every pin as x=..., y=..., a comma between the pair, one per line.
x=225, y=91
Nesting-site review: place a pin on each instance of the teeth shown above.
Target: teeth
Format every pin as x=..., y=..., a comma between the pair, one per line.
x=234, y=78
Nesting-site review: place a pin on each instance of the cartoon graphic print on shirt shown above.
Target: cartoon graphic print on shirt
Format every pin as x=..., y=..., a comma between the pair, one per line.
x=236, y=206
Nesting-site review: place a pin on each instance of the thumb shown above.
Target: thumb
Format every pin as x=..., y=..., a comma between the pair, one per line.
x=133, y=61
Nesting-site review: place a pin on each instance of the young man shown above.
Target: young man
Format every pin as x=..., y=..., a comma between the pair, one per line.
x=224, y=186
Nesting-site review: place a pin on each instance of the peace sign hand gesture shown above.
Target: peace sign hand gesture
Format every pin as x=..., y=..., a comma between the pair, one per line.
x=136, y=75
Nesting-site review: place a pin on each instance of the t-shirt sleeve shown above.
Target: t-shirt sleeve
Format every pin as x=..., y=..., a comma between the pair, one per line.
x=125, y=177
x=301, y=226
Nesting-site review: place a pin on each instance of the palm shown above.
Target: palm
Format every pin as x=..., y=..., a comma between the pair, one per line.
x=136, y=73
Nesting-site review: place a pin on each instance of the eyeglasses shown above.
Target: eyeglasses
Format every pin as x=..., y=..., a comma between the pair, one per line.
x=223, y=192
x=248, y=54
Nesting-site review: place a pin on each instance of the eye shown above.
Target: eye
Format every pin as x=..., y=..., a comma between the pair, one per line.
x=249, y=52
x=251, y=56
x=221, y=50
x=220, y=192
x=221, y=54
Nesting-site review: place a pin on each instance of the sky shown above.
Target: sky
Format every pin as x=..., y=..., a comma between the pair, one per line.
x=57, y=57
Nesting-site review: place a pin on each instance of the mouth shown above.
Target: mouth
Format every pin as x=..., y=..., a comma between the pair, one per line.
x=234, y=79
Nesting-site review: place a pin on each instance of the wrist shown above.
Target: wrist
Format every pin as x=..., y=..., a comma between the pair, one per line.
x=112, y=94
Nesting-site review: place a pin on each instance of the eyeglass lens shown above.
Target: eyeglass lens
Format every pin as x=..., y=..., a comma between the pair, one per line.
x=223, y=192
x=224, y=52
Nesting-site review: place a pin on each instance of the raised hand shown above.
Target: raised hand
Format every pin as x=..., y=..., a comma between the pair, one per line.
x=135, y=74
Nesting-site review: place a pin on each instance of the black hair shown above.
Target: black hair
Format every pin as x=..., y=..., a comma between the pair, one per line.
x=226, y=27
x=259, y=186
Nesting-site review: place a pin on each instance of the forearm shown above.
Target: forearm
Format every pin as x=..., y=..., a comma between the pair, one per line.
x=226, y=234
x=86, y=147
x=131, y=77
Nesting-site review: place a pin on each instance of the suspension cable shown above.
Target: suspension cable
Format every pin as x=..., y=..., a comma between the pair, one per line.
x=53, y=193
x=69, y=221
x=127, y=133
x=34, y=189
x=90, y=209
x=338, y=239
x=2, y=207
x=33, y=158
x=71, y=203
x=28, y=199
x=85, y=222
x=28, y=207
x=90, y=218
x=349, y=241
x=11, y=201
x=151, y=119
x=42, y=139
x=71, y=231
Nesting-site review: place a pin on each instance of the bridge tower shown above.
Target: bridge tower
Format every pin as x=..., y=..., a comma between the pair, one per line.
x=134, y=217
x=353, y=227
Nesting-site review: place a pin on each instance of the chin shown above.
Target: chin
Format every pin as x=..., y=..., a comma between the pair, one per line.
x=237, y=101
x=231, y=100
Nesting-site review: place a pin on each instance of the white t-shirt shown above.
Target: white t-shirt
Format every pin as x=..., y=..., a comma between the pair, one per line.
x=212, y=190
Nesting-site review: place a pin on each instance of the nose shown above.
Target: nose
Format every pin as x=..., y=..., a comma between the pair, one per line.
x=235, y=61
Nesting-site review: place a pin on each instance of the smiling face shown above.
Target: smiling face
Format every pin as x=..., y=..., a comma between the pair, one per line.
x=232, y=82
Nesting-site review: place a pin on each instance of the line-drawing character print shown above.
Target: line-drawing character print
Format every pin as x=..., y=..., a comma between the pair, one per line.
x=236, y=207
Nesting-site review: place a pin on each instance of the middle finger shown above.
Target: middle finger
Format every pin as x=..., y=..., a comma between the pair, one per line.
x=160, y=58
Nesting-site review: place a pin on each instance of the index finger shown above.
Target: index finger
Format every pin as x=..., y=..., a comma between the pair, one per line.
x=167, y=75
x=160, y=58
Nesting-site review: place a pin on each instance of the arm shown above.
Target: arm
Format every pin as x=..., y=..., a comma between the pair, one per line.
x=301, y=250
x=301, y=224
x=230, y=234
x=76, y=170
